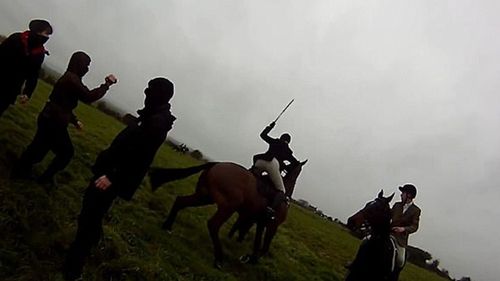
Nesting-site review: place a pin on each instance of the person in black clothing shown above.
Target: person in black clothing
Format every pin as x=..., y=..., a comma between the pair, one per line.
x=52, y=133
x=21, y=57
x=119, y=170
x=273, y=162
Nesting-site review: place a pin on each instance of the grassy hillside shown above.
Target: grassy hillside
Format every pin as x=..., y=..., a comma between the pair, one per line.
x=37, y=226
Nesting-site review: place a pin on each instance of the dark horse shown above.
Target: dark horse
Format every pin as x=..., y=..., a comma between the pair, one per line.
x=232, y=188
x=375, y=259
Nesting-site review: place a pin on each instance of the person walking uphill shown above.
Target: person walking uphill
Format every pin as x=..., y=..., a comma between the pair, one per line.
x=21, y=57
x=52, y=133
x=119, y=170
x=272, y=161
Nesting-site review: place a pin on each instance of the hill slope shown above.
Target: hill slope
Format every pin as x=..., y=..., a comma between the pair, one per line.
x=37, y=226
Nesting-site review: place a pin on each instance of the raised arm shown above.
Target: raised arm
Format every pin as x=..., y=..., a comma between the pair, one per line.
x=265, y=133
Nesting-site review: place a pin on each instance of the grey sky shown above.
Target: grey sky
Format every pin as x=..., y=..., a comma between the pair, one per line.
x=386, y=92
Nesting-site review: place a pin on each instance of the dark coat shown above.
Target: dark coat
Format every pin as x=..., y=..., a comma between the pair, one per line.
x=126, y=161
x=277, y=149
x=69, y=89
x=409, y=220
x=19, y=63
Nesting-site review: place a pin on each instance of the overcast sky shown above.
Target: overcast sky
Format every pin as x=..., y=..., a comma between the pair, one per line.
x=386, y=92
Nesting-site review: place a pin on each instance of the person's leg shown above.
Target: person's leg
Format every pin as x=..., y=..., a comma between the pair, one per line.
x=273, y=169
x=63, y=150
x=401, y=256
x=94, y=206
x=36, y=150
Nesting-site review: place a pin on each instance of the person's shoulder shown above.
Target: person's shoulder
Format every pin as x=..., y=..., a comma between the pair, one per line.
x=14, y=38
x=416, y=207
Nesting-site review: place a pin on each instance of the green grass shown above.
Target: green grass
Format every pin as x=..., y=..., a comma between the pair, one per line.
x=37, y=227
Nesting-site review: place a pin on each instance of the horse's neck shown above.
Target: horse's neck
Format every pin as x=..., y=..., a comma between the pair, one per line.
x=381, y=231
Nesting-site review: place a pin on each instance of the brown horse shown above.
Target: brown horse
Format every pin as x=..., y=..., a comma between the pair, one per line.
x=233, y=189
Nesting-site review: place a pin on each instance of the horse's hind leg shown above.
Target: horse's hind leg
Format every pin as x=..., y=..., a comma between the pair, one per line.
x=182, y=202
x=214, y=224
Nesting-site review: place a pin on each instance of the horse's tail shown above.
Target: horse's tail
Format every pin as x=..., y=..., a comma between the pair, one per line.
x=159, y=176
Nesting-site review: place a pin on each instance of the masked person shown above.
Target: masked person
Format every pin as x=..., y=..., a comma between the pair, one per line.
x=52, y=133
x=120, y=169
x=273, y=162
x=21, y=57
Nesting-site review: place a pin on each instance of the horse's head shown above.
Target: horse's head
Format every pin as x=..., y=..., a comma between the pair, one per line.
x=376, y=213
x=292, y=173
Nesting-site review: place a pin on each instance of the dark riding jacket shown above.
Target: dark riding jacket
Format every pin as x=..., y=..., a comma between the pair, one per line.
x=409, y=220
x=277, y=149
x=19, y=63
x=126, y=161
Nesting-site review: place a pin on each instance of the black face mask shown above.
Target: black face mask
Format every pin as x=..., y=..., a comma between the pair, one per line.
x=36, y=40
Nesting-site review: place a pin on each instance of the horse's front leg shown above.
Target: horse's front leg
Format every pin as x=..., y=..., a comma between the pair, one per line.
x=271, y=230
x=214, y=224
x=254, y=256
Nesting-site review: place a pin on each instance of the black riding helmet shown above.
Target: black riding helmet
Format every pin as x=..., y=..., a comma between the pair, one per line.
x=410, y=189
x=286, y=137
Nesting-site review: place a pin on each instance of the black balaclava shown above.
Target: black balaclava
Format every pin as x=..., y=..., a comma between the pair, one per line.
x=79, y=64
x=35, y=27
x=158, y=93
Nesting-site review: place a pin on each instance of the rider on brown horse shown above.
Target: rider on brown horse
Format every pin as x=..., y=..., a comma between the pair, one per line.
x=273, y=162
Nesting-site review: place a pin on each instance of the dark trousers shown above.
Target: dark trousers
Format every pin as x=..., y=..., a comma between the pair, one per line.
x=96, y=204
x=49, y=136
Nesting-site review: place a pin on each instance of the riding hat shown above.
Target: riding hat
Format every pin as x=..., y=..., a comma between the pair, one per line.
x=410, y=189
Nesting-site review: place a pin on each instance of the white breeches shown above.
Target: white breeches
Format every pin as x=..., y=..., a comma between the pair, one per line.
x=273, y=169
x=400, y=253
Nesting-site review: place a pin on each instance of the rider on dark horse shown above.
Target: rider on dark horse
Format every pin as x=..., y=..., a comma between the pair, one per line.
x=273, y=162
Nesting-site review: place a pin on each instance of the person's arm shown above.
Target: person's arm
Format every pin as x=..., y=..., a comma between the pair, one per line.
x=89, y=96
x=265, y=133
x=32, y=77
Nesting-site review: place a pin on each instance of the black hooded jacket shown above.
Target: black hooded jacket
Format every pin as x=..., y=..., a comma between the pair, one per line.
x=69, y=89
x=126, y=161
x=20, y=62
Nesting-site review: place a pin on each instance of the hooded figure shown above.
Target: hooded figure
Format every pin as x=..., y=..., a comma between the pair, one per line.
x=21, y=57
x=119, y=170
x=52, y=133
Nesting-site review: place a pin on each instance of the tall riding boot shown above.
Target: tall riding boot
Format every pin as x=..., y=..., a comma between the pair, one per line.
x=278, y=199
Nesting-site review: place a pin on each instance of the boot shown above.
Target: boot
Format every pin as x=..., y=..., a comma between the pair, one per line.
x=271, y=210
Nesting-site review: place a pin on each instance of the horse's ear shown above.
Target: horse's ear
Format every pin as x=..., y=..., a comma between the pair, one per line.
x=303, y=162
x=389, y=199
x=381, y=194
